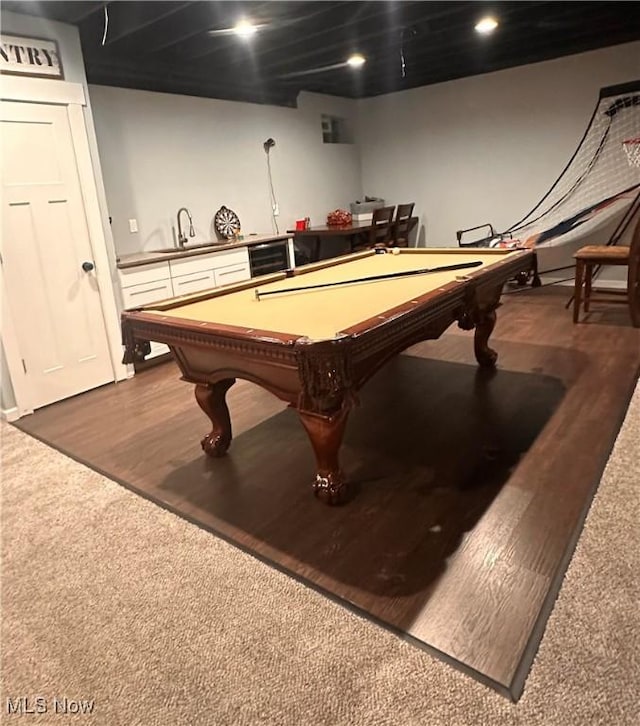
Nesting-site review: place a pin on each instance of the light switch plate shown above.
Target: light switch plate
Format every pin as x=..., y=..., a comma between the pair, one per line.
x=133, y=225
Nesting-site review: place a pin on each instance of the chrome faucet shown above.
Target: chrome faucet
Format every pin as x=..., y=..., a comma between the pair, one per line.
x=182, y=238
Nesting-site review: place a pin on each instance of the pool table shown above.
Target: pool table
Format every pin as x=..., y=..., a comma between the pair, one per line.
x=316, y=347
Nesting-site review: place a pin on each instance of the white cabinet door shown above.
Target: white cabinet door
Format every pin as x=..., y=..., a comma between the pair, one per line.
x=232, y=273
x=144, y=273
x=196, y=282
x=146, y=294
x=208, y=261
x=146, y=284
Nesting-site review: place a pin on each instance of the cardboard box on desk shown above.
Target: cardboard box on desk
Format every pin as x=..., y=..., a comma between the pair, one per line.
x=363, y=211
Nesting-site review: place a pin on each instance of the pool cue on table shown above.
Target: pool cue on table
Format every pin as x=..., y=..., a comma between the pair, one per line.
x=374, y=278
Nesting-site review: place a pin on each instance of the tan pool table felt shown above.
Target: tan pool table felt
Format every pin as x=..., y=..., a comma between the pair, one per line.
x=322, y=313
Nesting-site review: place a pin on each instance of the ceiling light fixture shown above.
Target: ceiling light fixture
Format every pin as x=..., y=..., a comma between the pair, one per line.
x=486, y=25
x=244, y=28
x=356, y=60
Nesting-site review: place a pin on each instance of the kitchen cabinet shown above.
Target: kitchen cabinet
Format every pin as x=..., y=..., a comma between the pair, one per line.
x=202, y=272
x=232, y=273
x=151, y=282
x=143, y=285
x=147, y=292
x=195, y=282
x=209, y=261
x=154, y=271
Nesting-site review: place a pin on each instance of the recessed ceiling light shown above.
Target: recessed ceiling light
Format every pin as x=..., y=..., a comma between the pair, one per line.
x=356, y=60
x=486, y=25
x=244, y=28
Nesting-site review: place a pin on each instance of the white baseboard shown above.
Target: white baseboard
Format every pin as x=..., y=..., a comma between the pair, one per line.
x=9, y=414
x=599, y=283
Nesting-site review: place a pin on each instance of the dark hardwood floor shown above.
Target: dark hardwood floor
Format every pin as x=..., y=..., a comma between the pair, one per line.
x=471, y=486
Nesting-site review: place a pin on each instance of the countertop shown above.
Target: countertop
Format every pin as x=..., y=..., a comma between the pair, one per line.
x=146, y=258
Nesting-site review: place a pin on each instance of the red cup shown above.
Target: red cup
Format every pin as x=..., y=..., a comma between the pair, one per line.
x=301, y=224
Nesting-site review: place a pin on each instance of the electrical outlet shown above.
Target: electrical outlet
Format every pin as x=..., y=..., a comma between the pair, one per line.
x=133, y=225
x=276, y=210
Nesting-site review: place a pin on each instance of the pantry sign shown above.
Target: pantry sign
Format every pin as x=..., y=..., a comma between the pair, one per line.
x=37, y=57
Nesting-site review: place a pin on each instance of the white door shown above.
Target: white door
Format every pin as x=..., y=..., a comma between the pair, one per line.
x=54, y=302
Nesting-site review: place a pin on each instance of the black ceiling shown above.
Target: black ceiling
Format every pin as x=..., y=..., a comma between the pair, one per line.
x=167, y=46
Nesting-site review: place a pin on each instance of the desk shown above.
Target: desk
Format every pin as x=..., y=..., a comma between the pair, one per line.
x=315, y=349
x=350, y=232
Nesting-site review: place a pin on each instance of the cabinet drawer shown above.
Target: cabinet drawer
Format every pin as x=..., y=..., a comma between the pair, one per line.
x=208, y=261
x=150, y=292
x=130, y=276
x=195, y=282
x=232, y=273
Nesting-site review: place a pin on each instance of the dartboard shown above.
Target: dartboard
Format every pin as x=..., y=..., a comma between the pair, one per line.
x=226, y=222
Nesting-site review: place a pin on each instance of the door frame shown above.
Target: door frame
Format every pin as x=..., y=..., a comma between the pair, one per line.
x=71, y=95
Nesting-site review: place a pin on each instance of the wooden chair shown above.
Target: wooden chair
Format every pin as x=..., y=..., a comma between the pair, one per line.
x=594, y=255
x=402, y=225
x=380, y=233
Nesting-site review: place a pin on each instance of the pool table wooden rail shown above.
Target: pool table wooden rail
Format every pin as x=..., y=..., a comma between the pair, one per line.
x=320, y=379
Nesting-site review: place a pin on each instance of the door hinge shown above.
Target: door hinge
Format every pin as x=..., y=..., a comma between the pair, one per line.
x=24, y=365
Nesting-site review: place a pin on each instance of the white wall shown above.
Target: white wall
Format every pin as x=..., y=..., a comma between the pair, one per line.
x=486, y=148
x=160, y=152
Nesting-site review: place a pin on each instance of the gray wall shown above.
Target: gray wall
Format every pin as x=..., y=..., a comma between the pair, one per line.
x=468, y=151
x=486, y=148
x=160, y=152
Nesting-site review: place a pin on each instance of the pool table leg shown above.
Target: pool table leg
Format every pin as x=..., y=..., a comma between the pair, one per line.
x=485, y=323
x=325, y=433
x=211, y=399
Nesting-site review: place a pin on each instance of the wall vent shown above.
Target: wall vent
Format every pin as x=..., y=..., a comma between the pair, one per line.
x=335, y=130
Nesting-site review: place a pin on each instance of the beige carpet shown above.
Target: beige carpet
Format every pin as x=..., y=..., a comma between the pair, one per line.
x=107, y=598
